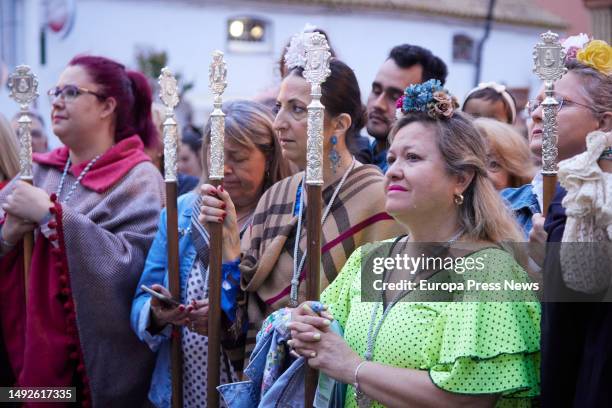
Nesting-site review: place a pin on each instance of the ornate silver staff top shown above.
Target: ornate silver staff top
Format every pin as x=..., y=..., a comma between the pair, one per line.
x=168, y=93
x=315, y=72
x=548, y=57
x=24, y=89
x=217, y=83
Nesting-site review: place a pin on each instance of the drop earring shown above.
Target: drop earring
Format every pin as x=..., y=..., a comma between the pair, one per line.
x=334, y=157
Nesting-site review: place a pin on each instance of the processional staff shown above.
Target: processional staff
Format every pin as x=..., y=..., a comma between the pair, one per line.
x=548, y=57
x=168, y=94
x=315, y=72
x=217, y=83
x=24, y=90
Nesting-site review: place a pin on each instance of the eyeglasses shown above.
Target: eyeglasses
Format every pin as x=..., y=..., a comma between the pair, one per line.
x=69, y=93
x=533, y=104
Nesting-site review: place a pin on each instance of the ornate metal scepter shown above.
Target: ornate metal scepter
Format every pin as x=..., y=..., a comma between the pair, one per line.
x=217, y=78
x=548, y=57
x=315, y=72
x=168, y=94
x=24, y=90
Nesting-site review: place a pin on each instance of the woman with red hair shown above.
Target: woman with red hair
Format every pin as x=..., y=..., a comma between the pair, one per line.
x=93, y=208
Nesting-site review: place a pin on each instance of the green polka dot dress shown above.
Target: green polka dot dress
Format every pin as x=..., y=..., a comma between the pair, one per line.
x=467, y=347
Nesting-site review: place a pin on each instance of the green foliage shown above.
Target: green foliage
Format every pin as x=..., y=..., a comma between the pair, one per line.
x=150, y=62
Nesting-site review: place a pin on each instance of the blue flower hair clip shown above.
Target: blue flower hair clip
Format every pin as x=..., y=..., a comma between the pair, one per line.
x=429, y=97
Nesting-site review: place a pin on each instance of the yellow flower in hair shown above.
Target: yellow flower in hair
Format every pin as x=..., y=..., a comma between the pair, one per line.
x=597, y=54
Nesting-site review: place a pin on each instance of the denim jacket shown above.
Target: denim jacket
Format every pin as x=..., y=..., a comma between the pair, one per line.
x=524, y=204
x=277, y=379
x=379, y=159
x=155, y=271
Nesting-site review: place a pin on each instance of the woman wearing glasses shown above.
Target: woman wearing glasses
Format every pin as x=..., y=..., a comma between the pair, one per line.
x=583, y=101
x=576, y=318
x=94, y=209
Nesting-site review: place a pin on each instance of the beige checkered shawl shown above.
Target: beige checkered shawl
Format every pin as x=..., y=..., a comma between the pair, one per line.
x=357, y=217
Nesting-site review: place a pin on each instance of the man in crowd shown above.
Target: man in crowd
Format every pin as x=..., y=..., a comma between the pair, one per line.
x=406, y=65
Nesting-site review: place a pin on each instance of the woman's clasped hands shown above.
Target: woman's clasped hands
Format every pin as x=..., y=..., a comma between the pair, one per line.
x=325, y=350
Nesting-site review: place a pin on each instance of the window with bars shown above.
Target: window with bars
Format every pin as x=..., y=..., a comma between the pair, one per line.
x=463, y=48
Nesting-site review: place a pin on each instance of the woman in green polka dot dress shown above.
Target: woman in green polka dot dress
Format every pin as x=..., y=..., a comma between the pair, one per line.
x=409, y=350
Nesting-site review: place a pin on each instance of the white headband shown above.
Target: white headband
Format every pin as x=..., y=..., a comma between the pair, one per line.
x=500, y=89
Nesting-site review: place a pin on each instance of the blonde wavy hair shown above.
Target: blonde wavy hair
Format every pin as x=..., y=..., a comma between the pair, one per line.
x=249, y=124
x=9, y=153
x=511, y=149
x=483, y=216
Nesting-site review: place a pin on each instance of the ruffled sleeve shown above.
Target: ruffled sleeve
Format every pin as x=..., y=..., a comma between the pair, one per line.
x=487, y=347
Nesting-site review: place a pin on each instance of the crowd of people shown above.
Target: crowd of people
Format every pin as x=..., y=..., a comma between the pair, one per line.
x=411, y=172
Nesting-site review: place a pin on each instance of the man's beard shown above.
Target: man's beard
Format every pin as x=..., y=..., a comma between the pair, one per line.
x=377, y=134
x=381, y=131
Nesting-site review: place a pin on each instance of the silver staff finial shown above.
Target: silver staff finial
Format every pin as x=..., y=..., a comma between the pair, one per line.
x=218, y=73
x=218, y=83
x=23, y=85
x=548, y=57
x=168, y=93
x=316, y=72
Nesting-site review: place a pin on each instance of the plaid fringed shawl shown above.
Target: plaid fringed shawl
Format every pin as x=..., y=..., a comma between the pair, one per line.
x=356, y=217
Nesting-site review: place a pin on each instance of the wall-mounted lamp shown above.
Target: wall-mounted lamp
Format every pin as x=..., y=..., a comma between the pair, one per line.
x=246, y=29
x=249, y=35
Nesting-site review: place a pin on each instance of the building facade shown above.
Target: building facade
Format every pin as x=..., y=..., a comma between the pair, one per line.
x=252, y=34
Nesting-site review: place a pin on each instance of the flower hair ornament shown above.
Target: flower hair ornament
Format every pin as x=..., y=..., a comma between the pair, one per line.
x=500, y=89
x=595, y=53
x=429, y=97
x=295, y=57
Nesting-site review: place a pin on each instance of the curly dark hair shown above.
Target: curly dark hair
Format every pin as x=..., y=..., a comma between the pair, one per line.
x=406, y=56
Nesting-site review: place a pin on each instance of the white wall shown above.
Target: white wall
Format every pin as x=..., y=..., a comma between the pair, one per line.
x=190, y=32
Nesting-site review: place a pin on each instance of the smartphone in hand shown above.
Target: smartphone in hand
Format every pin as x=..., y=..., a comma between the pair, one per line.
x=165, y=300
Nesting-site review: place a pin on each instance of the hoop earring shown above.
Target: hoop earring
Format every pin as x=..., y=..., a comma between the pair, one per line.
x=458, y=199
x=334, y=157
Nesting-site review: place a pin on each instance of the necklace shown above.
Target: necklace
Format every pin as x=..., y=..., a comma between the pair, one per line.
x=297, y=266
x=362, y=400
x=76, y=183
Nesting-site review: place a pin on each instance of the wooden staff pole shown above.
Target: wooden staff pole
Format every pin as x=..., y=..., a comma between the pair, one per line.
x=217, y=78
x=23, y=85
x=548, y=65
x=169, y=96
x=315, y=72
x=313, y=280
